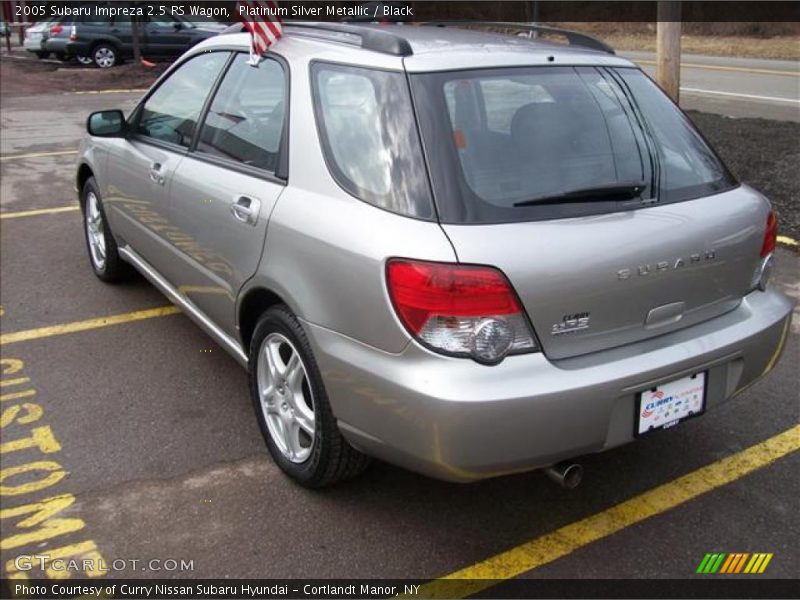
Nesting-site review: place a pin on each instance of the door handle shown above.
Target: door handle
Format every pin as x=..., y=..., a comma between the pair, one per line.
x=155, y=174
x=245, y=209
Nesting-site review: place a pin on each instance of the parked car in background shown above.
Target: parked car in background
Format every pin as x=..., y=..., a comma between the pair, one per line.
x=464, y=253
x=108, y=42
x=35, y=37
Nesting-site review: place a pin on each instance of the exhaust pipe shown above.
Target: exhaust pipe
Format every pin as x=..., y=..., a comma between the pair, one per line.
x=566, y=474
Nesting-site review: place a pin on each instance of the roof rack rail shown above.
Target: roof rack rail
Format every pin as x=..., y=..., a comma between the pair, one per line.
x=573, y=37
x=377, y=40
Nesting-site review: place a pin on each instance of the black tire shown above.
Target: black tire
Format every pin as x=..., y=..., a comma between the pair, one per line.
x=331, y=458
x=113, y=269
x=105, y=55
x=42, y=55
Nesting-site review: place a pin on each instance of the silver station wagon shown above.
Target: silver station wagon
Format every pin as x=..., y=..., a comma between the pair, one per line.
x=465, y=253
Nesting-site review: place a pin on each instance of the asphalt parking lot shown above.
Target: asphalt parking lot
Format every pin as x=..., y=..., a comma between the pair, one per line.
x=134, y=435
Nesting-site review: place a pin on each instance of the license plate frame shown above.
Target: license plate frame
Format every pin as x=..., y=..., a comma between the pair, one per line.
x=682, y=401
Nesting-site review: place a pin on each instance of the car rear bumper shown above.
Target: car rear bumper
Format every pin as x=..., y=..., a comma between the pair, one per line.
x=34, y=45
x=58, y=45
x=457, y=420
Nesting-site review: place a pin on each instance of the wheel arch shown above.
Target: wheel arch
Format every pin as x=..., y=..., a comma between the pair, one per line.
x=254, y=303
x=83, y=175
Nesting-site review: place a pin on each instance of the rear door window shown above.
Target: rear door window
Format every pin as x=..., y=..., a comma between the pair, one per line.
x=171, y=112
x=245, y=122
x=369, y=137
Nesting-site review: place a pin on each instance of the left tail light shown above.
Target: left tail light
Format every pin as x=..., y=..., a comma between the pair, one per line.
x=56, y=29
x=459, y=310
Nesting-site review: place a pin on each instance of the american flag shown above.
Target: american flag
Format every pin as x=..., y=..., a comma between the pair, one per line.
x=261, y=19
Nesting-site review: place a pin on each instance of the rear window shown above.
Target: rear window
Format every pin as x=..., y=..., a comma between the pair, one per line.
x=369, y=137
x=526, y=143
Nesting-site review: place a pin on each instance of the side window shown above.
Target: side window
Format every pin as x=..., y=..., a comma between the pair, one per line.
x=171, y=112
x=245, y=120
x=369, y=136
x=161, y=22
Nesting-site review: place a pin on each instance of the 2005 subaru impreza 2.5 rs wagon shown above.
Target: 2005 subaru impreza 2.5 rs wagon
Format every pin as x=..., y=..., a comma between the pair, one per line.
x=465, y=253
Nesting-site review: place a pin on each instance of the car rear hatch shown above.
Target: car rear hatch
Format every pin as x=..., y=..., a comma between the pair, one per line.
x=595, y=195
x=595, y=282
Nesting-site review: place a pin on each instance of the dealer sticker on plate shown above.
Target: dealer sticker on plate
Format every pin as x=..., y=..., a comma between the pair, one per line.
x=667, y=404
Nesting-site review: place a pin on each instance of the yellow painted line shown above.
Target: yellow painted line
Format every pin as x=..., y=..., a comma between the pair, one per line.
x=785, y=240
x=564, y=541
x=42, y=332
x=38, y=211
x=724, y=68
x=118, y=91
x=38, y=154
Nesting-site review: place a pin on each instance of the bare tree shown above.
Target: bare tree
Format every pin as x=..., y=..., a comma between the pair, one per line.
x=137, y=50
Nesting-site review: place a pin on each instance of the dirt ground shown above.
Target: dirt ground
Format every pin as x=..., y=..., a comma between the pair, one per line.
x=745, y=40
x=764, y=154
x=24, y=76
x=642, y=36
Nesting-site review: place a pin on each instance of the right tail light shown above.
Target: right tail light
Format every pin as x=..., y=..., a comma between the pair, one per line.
x=764, y=268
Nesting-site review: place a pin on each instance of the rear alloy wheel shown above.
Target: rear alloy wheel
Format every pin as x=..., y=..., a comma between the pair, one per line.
x=286, y=398
x=104, y=56
x=292, y=406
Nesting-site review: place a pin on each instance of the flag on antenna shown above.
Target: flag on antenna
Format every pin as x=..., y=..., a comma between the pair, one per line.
x=260, y=18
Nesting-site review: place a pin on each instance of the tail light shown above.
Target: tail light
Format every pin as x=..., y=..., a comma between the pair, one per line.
x=764, y=267
x=459, y=310
x=56, y=29
x=73, y=33
x=770, y=235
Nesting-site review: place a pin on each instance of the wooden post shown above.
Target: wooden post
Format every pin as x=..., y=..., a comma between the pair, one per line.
x=136, y=40
x=668, y=47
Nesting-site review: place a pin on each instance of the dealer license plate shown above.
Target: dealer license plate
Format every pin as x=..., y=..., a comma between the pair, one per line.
x=668, y=404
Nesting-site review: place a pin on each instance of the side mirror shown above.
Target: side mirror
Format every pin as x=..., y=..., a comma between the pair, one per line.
x=106, y=123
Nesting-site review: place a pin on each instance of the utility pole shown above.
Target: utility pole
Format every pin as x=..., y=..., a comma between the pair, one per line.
x=668, y=47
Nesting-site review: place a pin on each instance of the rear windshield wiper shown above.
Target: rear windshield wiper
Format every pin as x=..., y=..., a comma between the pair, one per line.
x=611, y=192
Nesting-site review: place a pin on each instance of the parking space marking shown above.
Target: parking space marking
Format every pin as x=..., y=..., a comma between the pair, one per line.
x=37, y=154
x=37, y=211
x=785, y=240
x=76, y=326
x=567, y=539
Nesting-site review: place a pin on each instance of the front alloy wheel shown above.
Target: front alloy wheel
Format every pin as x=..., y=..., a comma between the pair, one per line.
x=103, y=255
x=95, y=232
x=287, y=402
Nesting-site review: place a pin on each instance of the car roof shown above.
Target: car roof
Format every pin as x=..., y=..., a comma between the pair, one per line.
x=432, y=48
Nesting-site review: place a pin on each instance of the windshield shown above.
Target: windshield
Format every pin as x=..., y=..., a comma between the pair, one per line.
x=503, y=143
